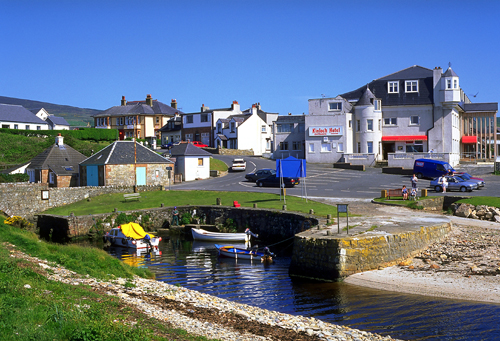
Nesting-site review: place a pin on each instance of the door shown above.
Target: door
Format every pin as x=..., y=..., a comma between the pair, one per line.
x=92, y=176
x=140, y=173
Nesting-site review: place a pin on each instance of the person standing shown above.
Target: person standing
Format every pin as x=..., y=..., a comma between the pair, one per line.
x=445, y=184
x=175, y=217
x=414, y=181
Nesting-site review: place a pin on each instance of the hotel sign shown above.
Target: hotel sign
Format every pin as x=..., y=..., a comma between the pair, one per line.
x=325, y=131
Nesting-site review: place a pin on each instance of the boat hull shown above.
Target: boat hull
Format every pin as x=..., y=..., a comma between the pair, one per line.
x=203, y=235
x=238, y=253
x=117, y=238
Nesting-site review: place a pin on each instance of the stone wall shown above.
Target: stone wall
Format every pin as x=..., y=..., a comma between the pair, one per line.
x=25, y=199
x=332, y=258
x=271, y=225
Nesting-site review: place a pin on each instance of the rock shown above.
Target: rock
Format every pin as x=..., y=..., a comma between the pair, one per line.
x=473, y=216
x=443, y=257
x=463, y=210
x=496, y=218
x=405, y=262
x=481, y=213
x=434, y=266
x=488, y=215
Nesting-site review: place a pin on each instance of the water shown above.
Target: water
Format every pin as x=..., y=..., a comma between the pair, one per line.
x=195, y=265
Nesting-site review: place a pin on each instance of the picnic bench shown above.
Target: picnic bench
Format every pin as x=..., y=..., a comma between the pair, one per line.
x=132, y=196
x=398, y=192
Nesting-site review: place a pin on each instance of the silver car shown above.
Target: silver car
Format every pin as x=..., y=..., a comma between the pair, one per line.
x=454, y=184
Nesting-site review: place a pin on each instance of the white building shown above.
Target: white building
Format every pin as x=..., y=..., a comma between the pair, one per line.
x=18, y=117
x=400, y=117
x=190, y=161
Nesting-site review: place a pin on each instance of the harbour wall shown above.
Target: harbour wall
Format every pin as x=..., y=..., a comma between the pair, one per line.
x=330, y=258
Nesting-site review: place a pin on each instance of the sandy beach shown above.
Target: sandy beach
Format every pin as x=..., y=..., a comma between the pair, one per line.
x=466, y=266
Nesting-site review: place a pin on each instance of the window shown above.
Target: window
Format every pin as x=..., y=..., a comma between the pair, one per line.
x=448, y=83
x=302, y=127
x=27, y=127
x=188, y=137
x=378, y=104
x=296, y=145
x=5, y=126
x=130, y=120
x=326, y=147
x=219, y=128
x=311, y=147
x=263, y=128
x=16, y=126
x=200, y=161
x=350, y=123
x=390, y=121
x=284, y=145
x=119, y=121
x=204, y=118
x=411, y=86
x=340, y=146
x=285, y=128
x=359, y=147
x=157, y=119
x=335, y=106
x=358, y=123
x=379, y=125
x=455, y=83
x=189, y=119
x=369, y=124
x=51, y=177
x=369, y=146
x=38, y=128
x=233, y=127
x=393, y=87
x=414, y=120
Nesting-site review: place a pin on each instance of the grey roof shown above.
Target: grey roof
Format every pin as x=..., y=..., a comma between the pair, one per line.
x=222, y=137
x=379, y=88
x=57, y=120
x=188, y=149
x=366, y=98
x=177, y=124
x=140, y=108
x=122, y=153
x=62, y=160
x=474, y=107
x=18, y=113
x=450, y=73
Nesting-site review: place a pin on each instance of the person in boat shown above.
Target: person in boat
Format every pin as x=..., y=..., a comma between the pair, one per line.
x=147, y=239
x=268, y=252
x=175, y=217
x=250, y=234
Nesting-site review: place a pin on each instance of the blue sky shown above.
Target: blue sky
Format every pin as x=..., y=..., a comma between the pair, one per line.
x=279, y=53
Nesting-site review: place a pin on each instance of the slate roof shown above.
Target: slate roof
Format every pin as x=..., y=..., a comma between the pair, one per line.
x=366, y=98
x=62, y=160
x=450, y=73
x=379, y=88
x=18, y=113
x=140, y=108
x=122, y=153
x=57, y=120
x=188, y=149
x=475, y=107
x=177, y=124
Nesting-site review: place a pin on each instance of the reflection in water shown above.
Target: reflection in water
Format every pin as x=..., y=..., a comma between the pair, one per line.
x=195, y=265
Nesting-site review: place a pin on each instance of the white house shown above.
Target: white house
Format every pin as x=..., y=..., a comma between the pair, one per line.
x=55, y=122
x=190, y=161
x=18, y=117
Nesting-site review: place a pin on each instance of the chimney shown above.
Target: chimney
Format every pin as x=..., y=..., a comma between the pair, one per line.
x=254, y=109
x=204, y=108
x=173, y=104
x=124, y=101
x=59, y=140
x=289, y=113
x=235, y=106
x=149, y=100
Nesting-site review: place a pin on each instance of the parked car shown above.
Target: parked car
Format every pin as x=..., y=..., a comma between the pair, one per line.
x=468, y=177
x=239, y=165
x=170, y=145
x=199, y=144
x=274, y=181
x=261, y=173
x=428, y=168
x=454, y=184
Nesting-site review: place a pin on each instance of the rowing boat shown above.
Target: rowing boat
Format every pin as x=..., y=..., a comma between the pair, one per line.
x=199, y=234
x=239, y=253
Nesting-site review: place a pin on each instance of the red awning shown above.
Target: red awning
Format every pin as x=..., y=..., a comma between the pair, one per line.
x=405, y=138
x=469, y=139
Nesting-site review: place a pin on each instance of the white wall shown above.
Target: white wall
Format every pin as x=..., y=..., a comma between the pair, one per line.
x=188, y=165
x=22, y=125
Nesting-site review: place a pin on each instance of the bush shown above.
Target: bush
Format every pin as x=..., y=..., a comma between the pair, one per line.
x=185, y=218
x=19, y=222
x=14, y=178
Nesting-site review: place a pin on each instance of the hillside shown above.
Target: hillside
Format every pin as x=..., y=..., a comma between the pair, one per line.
x=73, y=115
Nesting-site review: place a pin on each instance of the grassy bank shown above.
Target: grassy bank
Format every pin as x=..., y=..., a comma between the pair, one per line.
x=488, y=201
x=35, y=308
x=107, y=203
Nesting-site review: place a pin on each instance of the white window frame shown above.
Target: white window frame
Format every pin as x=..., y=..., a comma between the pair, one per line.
x=369, y=124
x=455, y=84
x=326, y=147
x=311, y=148
x=448, y=84
x=413, y=84
x=413, y=123
x=284, y=127
x=263, y=129
x=335, y=106
x=393, y=121
x=393, y=87
x=378, y=104
x=51, y=178
x=27, y=127
x=340, y=146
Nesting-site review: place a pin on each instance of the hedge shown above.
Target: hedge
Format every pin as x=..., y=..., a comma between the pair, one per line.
x=80, y=134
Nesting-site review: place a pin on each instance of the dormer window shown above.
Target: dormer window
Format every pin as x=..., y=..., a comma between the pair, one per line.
x=393, y=87
x=411, y=86
x=335, y=106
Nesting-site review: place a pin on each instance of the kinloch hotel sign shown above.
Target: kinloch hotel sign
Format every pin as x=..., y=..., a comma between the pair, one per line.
x=325, y=131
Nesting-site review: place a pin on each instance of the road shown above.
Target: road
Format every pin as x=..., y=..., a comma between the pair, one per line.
x=325, y=181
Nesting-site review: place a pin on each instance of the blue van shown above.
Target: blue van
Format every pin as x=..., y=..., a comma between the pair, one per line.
x=427, y=168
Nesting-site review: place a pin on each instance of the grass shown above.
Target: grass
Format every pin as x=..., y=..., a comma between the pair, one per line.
x=35, y=308
x=218, y=165
x=108, y=202
x=489, y=201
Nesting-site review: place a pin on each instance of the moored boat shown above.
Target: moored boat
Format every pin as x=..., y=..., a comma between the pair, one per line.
x=199, y=234
x=132, y=235
x=240, y=253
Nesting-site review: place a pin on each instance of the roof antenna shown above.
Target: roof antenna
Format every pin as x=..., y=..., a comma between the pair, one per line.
x=449, y=64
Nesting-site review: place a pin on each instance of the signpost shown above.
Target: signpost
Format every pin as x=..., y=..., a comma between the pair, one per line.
x=342, y=208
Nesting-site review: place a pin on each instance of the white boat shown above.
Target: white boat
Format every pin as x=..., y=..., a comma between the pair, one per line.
x=199, y=234
x=240, y=253
x=132, y=235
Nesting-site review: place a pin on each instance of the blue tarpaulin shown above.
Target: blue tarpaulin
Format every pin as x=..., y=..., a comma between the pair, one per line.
x=291, y=167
